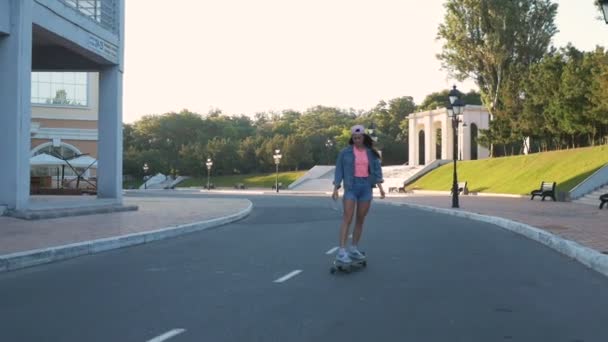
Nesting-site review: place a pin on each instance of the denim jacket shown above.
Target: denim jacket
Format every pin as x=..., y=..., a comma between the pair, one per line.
x=345, y=168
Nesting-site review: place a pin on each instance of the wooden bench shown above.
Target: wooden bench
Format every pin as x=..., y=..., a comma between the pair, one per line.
x=240, y=186
x=603, y=200
x=462, y=188
x=547, y=189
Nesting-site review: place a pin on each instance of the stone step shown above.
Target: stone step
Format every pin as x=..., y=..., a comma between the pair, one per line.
x=315, y=185
x=39, y=214
x=587, y=201
x=596, y=194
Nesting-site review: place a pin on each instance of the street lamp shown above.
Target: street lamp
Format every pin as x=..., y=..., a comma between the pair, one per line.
x=145, y=168
x=329, y=144
x=371, y=130
x=209, y=164
x=455, y=109
x=277, y=160
x=604, y=4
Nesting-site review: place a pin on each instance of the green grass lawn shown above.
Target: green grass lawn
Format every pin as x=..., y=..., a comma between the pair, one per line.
x=519, y=174
x=132, y=184
x=251, y=181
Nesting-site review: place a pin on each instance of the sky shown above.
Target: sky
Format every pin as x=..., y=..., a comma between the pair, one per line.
x=244, y=57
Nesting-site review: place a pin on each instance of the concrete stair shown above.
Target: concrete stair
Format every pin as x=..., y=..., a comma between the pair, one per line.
x=319, y=184
x=320, y=178
x=317, y=172
x=49, y=213
x=593, y=198
x=396, y=175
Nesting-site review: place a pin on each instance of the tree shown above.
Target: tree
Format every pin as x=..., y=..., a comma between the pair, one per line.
x=494, y=42
x=392, y=127
x=541, y=101
x=599, y=8
x=595, y=63
x=440, y=99
x=296, y=152
x=61, y=98
x=223, y=152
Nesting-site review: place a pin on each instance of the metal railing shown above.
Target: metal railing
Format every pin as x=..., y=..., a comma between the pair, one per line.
x=103, y=12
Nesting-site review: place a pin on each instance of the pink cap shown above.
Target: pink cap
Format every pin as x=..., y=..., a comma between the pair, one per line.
x=357, y=129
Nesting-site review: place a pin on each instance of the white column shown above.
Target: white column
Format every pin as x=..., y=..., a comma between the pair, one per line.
x=445, y=138
x=412, y=145
x=109, y=147
x=15, y=106
x=433, y=140
x=450, y=135
x=465, y=145
x=428, y=138
x=109, y=171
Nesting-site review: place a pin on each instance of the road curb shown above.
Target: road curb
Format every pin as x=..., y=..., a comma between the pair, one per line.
x=19, y=260
x=585, y=255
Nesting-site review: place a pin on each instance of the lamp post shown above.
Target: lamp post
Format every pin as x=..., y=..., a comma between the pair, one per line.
x=209, y=164
x=604, y=4
x=329, y=144
x=371, y=130
x=277, y=160
x=145, y=168
x=455, y=108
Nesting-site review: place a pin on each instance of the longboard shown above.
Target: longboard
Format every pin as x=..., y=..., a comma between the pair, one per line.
x=347, y=267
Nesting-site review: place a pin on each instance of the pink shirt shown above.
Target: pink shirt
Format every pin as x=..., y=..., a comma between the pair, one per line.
x=361, y=162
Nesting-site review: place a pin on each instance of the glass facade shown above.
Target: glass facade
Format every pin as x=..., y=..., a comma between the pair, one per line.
x=60, y=88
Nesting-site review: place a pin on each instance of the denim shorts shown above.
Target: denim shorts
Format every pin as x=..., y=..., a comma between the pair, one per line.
x=361, y=190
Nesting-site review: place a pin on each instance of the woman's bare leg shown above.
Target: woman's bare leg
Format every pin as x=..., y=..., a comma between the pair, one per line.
x=347, y=218
x=362, y=209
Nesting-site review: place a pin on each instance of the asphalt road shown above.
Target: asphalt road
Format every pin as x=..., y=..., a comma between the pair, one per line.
x=430, y=278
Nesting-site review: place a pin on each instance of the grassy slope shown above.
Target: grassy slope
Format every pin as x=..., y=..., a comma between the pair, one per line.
x=251, y=181
x=520, y=174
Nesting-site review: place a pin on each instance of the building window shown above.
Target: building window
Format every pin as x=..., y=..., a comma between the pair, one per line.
x=90, y=8
x=60, y=88
x=104, y=12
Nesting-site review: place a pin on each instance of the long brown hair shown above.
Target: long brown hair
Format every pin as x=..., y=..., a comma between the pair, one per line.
x=369, y=143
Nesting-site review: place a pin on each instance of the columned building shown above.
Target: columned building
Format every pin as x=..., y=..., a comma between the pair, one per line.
x=431, y=135
x=54, y=50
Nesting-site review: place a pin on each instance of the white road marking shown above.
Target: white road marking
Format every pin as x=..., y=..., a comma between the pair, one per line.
x=288, y=276
x=350, y=236
x=167, y=335
x=331, y=251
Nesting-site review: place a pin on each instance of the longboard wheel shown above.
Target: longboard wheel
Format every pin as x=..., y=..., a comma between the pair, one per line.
x=344, y=269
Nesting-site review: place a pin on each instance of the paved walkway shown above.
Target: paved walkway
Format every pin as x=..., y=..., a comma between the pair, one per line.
x=584, y=224
x=18, y=235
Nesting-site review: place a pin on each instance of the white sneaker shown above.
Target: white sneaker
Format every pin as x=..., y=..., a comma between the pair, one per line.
x=342, y=256
x=355, y=254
